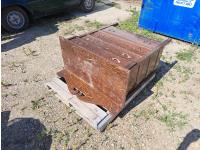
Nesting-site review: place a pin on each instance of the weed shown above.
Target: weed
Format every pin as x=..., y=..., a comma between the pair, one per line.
x=79, y=28
x=93, y=24
x=6, y=83
x=184, y=71
x=159, y=85
x=131, y=25
x=173, y=119
x=4, y=95
x=37, y=78
x=37, y=103
x=30, y=52
x=173, y=94
x=25, y=80
x=147, y=114
x=7, y=37
x=71, y=111
x=66, y=139
x=44, y=133
x=80, y=144
x=69, y=30
x=163, y=57
x=22, y=109
x=121, y=147
x=14, y=65
x=111, y=125
x=18, y=65
x=185, y=55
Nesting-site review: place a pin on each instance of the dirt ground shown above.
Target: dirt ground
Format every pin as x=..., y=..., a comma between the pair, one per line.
x=166, y=115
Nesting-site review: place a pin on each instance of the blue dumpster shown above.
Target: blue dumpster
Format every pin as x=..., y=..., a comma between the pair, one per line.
x=175, y=18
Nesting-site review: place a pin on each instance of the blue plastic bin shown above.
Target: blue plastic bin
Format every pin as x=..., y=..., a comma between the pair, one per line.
x=175, y=18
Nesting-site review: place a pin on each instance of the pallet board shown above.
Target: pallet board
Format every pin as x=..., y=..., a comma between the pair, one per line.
x=96, y=116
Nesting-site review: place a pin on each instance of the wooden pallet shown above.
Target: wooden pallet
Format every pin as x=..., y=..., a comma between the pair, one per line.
x=97, y=117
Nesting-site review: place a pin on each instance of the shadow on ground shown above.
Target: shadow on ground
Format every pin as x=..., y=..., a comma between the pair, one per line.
x=23, y=134
x=146, y=92
x=191, y=137
x=42, y=27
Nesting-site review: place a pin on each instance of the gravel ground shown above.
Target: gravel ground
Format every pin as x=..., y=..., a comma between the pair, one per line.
x=165, y=115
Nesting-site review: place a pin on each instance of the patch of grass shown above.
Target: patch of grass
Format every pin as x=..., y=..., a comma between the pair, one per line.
x=147, y=114
x=78, y=27
x=93, y=24
x=69, y=30
x=174, y=119
x=60, y=136
x=66, y=139
x=37, y=103
x=131, y=25
x=185, y=55
x=185, y=72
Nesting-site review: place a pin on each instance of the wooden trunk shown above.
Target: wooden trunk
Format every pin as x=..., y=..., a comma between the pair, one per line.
x=103, y=67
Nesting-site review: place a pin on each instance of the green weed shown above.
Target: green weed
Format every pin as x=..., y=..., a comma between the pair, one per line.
x=185, y=55
x=78, y=27
x=185, y=72
x=147, y=114
x=44, y=133
x=30, y=52
x=174, y=119
x=93, y=24
x=131, y=25
x=69, y=30
x=37, y=103
x=6, y=83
